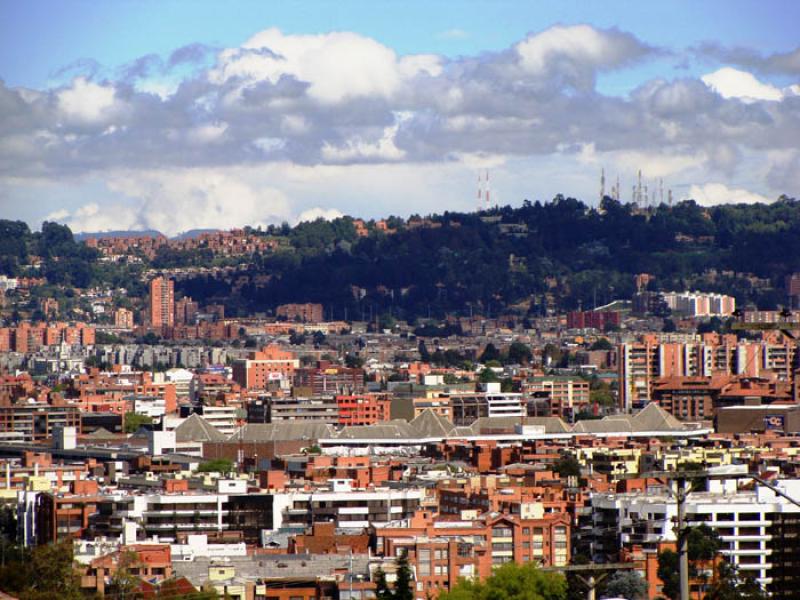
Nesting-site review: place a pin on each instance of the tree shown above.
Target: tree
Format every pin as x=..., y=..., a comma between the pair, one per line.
x=519, y=353
x=352, y=361
x=124, y=584
x=402, y=582
x=703, y=543
x=567, y=466
x=487, y=376
x=628, y=585
x=218, y=465
x=134, y=420
x=490, y=353
x=730, y=585
x=382, y=591
x=424, y=355
x=51, y=573
x=512, y=582
x=601, y=344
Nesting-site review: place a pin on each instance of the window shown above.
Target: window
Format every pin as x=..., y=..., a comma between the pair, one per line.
x=502, y=532
x=424, y=562
x=749, y=516
x=725, y=517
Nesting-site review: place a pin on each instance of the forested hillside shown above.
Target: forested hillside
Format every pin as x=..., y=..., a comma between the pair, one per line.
x=561, y=251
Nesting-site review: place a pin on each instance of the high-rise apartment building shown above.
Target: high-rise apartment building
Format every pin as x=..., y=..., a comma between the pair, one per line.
x=641, y=364
x=162, y=302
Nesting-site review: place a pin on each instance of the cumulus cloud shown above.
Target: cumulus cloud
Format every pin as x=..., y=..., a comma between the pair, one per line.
x=337, y=66
x=86, y=102
x=312, y=214
x=576, y=52
x=173, y=201
x=92, y=217
x=718, y=193
x=782, y=63
x=733, y=83
x=175, y=134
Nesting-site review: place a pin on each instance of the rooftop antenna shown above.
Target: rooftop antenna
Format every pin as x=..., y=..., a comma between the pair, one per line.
x=602, y=184
x=661, y=191
x=480, y=193
x=639, y=189
x=488, y=191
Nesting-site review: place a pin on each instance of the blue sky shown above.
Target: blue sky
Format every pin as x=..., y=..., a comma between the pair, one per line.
x=85, y=167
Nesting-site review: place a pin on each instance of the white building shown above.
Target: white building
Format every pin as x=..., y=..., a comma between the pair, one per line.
x=346, y=507
x=751, y=524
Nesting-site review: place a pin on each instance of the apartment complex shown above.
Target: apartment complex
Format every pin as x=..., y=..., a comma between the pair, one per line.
x=269, y=365
x=162, y=302
x=758, y=528
x=306, y=313
x=591, y=319
x=695, y=304
x=465, y=409
x=443, y=551
x=28, y=337
x=566, y=396
x=642, y=363
x=37, y=421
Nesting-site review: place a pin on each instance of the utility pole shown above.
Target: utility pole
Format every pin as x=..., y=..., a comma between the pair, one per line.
x=681, y=495
x=596, y=574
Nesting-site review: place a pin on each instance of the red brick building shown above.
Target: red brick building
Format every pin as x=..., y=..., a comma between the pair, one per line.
x=327, y=378
x=307, y=313
x=270, y=364
x=162, y=302
x=593, y=319
x=444, y=551
x=363, y=409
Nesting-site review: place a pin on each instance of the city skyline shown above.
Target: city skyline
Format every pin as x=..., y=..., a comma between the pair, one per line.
x=155, y=116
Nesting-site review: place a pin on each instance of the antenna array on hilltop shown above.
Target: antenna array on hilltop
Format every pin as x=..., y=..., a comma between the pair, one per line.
x=484, y=192
x=644, y=197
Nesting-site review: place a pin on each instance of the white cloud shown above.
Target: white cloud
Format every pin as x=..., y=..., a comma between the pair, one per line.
x=207, y=133
x=85, y=102
x=286, y=123
x=577, y=47
x=312, y=214
x=337, y=66
x=383, y=148
x=718, y=193
x=92, y=217
x=733, y=83
x=172, y=201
